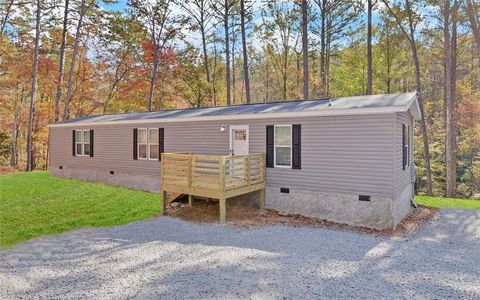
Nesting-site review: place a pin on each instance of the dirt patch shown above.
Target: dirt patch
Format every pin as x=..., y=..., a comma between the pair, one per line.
x=207, y=212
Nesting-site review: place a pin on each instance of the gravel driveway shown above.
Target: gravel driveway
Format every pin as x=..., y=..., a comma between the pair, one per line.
x=169, y=258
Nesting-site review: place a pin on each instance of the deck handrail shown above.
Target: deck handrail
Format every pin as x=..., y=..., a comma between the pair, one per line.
x=212, y=172
x=213, y=176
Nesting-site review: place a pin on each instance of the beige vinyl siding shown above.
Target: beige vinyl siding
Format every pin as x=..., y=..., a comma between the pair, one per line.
x=340, y=154
x=402, y=177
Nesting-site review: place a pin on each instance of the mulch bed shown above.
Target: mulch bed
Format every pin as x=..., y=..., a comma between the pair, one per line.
x=207, y=212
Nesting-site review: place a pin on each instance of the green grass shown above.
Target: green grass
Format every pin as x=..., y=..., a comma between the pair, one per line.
x=442, y=202
x=36, y=204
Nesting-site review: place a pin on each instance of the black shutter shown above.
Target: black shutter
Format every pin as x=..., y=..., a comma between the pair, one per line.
x=296, y=146
x=161, y=141
x=270, y=146
x=404, y=150
x=91, y=142
x=73, y=143
x=135, y=143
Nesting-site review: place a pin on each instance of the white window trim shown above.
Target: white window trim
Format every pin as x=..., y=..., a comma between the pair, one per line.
x=82, y=142
x=275, y=147
x=147, y=144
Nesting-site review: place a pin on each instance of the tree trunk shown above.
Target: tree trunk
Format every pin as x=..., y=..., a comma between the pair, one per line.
x=305, y=48
x=369, y=49
x=5, y=18
x=214, y=75
x=18, y=108
x=450, y=90
x=227, y=51
x=245, y=53
x=153, y=76
x=61, y=64
x=34, y=90
x=204, y=40
x=323, y=78
x=473, y=18
x=234, y=79
x=423, y=125
x=284, y=72
x=68, y=98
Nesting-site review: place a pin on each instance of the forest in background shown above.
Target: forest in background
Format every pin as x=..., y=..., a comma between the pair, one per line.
x=71, y=58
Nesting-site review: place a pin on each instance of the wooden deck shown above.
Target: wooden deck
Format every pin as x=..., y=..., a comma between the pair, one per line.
x=219, y=177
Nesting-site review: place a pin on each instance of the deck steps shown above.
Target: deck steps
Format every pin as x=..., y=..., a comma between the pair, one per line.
x=173, y=196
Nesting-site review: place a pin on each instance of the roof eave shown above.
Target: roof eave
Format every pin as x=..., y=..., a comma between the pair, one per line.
x=317, y=113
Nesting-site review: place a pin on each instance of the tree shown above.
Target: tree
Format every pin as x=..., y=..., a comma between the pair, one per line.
x=5, y=15
x=156, y=17
x=223, y=11
x=244, y=51
x=450, y=40
x=305, y=47
x=33, y=95
x=473, y=13
x=335, y=17
x=369, y=47
x=280, y=23
x=61, y=63
x=84, y=7
x=410, y=35
x=199, y=11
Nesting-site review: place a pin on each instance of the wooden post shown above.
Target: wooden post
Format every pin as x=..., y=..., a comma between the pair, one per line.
x=262, y=199
x=163, y=202
x=223, y=209
x=246, y=170
x=190, y=200
x=222, y=202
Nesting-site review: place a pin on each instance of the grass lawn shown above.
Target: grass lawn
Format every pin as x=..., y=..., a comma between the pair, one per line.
x=36, y=204
x=442, y=202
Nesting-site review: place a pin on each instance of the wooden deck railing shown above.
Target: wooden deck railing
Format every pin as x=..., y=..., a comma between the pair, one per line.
x=219, y=177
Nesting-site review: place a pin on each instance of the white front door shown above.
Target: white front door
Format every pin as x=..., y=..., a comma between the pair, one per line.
x=239, y=140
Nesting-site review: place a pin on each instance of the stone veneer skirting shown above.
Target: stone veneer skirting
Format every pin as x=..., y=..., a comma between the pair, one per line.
x=379, y=213
x=340, y=208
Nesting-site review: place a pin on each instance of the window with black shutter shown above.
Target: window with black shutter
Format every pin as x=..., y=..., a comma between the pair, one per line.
x=296, y=146
x=91, y=142
x=270, y=146
x=73, y=142
x=161, y=142
x=82, y=142
x=148, y=143
x=135, y=143
x=284, y=146
x=405, y=145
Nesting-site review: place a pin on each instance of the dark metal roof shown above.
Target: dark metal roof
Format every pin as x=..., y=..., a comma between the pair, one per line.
x=356, y=102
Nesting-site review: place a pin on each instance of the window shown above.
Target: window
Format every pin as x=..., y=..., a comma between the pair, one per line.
x=142, y=143
x=82, y=142
x=406, y=146
x=148, y=147
x=153, y=143
x=86, y=142
x=283, y=146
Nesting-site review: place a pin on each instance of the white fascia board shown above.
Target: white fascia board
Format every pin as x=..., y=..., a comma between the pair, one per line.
x=299, y=114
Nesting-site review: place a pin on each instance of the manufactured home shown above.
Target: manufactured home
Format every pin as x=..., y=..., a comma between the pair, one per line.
x=346, y=160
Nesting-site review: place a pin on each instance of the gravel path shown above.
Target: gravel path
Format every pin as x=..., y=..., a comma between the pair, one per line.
x=169, y=258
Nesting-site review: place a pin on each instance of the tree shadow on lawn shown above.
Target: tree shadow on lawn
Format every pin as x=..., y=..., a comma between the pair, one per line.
x=165, y=257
